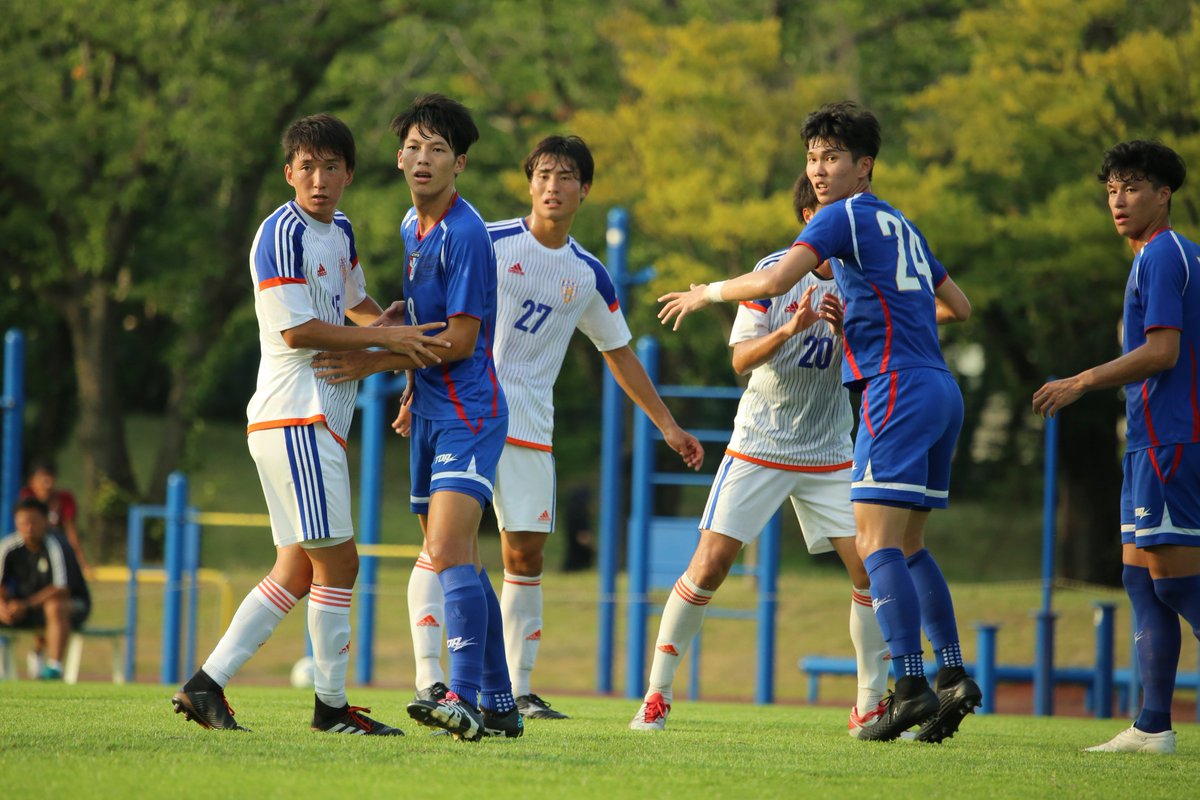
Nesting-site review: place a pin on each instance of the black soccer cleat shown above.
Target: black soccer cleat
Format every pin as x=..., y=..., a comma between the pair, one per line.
x=208, y=708
x=461, y=719
x=509, y=725
x=911, y=703
x=435, y=692
x=349, y=719
x=534, y=707
x=958, y=696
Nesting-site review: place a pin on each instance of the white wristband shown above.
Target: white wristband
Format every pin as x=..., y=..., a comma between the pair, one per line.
x=712, y=292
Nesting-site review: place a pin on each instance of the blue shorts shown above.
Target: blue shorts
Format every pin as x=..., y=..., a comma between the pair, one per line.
x=1160, y=496
x=907, y=429
x=448, y=456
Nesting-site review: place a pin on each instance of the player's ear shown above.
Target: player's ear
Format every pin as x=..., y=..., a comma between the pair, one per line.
x=865, y=165
x=400, y=159
x=460, y=163
x=583, y=191
x=287, y=173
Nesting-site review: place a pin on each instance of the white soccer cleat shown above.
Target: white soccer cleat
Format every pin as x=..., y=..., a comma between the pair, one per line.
x=1131, y=740
x=652, y=716
x=858, y=722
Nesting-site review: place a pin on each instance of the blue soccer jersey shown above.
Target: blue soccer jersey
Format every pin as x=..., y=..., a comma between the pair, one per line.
x=1163, y=409
x=887, y=276
x=451, y=270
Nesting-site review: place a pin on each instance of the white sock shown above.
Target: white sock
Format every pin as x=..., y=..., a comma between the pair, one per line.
x=869, y=649
x=254, y=622
x=426, y=614
x=682, y=617
x=329, y=627
x=521, y=607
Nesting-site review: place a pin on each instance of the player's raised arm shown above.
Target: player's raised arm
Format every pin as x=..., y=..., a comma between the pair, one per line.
x=770, y=282
x=952, y=303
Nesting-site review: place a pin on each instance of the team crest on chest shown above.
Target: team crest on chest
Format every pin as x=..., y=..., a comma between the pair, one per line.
x=568, y=290
x=344, y=267
x=412, y=263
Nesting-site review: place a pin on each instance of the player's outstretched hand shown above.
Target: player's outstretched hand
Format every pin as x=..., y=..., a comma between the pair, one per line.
x=411, y=341
x=833, y=312
x=805, y=314
x=678, y=305
x=392, y=315
x=402, y=424
x=688, y=446
x=341, y=366
x=1055, y=396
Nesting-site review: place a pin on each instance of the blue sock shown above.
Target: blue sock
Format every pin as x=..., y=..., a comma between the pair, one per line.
x=466, y=629
x=897, y=610
x=1157, y=640
x=1183, y=596
x=937, y=608
x=497, y=693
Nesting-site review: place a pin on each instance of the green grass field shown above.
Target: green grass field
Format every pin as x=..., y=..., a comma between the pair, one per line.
x=103, y=741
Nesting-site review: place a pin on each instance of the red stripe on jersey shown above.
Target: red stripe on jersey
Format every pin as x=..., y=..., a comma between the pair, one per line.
x=545, y=448
x=421, y=235
x=887, y=330
x=753, y=306
x=452, y=393
x=850, y=360
x=762, y=462
x=1146, y=414
x=614, y=305
x=354, y=263
x=271, y=282
x=810, y=247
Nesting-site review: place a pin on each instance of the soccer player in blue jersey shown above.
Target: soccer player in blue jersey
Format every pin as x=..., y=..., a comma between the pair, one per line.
x=459, y=414
x=1160, y=495
x=896, y=292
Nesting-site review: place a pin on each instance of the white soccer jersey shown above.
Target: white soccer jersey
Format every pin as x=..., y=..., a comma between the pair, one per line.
x=304, y=269
x=795, y=413
x=543, y=295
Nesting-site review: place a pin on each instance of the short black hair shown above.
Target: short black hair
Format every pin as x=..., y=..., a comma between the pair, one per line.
x=804, y=197
x=845, y=123
x=436, y=113
x=1143, y=159
x=31, y=504
x=563, y=150
x=42, y=465
x=320, y=135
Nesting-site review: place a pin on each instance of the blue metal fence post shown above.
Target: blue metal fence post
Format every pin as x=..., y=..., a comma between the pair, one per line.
x=177, y=494
x=13, y=404
x=372, y=399
x=1043, y=676
x=641, y=510
x=611, y=490
x=768, y=603
x=1102, y=688
x=133, y=559
x=985, y=664
x=191, y=568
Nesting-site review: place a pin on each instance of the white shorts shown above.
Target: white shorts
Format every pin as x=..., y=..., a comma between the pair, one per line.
x=744, y=497
x=525, y=490
x=306, y=482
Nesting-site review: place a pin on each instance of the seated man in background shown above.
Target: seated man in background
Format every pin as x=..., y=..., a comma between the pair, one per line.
x=41, y=584
x=61, y=510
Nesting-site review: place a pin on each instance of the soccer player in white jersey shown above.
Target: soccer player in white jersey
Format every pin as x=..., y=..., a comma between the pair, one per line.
x=791, y=440
x=305, y=267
